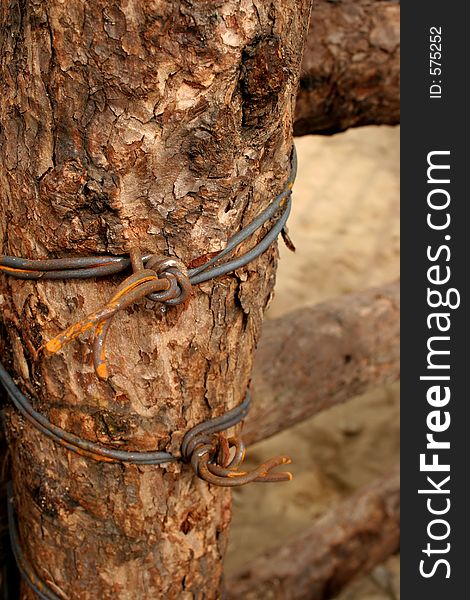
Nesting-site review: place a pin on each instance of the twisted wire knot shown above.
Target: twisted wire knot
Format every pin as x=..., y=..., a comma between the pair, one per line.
x=163, y=280
x=211, y=460
x=170, y=269
x=160, y=279
x=210, y=452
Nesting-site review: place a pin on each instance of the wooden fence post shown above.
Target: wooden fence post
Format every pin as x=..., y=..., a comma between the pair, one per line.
x=164, y=126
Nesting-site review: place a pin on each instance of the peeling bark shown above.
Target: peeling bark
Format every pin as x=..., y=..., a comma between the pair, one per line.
x=166, y=126
x=314, y=358
x=351, y=67
x=350, y=540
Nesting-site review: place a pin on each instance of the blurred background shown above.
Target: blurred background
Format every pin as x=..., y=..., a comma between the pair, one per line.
x=345, y=226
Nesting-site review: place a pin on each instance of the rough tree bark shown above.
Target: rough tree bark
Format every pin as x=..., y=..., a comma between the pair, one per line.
x=166, y=126
x=4, y=541
x=351, y=67
x=348, y=541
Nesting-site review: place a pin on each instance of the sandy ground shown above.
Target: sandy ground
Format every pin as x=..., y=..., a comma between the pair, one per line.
x=345, y=225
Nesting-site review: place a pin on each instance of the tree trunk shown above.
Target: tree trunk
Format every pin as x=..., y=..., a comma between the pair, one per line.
x=351, y=67
x=162, y=126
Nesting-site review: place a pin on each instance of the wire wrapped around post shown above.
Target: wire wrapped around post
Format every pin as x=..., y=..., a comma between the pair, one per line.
x=214, y=457
x=161, y=279
x=201, y=447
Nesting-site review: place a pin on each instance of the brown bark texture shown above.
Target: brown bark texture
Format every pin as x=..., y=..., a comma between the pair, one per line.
x=164, y=126
x=314, y=358
x=4, y=538
x=350, y=540
x=4, y=542
x=351, y=67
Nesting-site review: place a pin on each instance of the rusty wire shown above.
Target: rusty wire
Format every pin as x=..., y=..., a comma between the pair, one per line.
x=83, y=267
x=209, y=453
x=100, y=266
x=69, y=440
x=166, y=282
x=160, y=279
x=200, y=446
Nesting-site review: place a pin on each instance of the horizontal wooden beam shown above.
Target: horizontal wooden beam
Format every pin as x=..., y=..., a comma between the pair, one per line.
x=350, y=540
x=314, y=358
x=351, y=67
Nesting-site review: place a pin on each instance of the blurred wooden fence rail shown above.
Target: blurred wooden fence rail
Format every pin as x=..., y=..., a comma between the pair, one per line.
x=307, y=361
x=350, y=540
x=316, y=357
x=351, y=67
